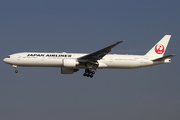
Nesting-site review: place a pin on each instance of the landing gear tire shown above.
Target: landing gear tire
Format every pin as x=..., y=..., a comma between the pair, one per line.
x=91, y=76
x=84, y=74
x=93, y=72
x=89, y=73
x=16, y=71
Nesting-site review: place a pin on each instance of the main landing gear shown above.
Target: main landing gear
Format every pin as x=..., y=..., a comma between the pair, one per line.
x=89, y=73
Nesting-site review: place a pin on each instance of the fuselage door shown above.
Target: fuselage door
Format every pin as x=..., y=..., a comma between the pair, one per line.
x=18, y=57
x=111, y=58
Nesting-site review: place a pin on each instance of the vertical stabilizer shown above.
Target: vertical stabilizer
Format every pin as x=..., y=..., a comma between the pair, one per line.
x=159, y=49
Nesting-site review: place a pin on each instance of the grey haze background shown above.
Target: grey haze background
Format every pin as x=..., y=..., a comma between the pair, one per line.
x=86, y=26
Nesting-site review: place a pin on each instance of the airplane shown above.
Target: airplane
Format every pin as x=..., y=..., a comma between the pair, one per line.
x=101, y=59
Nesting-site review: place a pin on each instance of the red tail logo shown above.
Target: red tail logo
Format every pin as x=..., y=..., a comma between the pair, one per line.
x=159, y=49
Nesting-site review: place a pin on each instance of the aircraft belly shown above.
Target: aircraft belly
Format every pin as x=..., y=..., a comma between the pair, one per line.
x=127, y=64
x=38, y=62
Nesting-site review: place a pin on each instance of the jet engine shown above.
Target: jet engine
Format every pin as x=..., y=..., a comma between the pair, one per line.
x=69, y=63
x=68, y=70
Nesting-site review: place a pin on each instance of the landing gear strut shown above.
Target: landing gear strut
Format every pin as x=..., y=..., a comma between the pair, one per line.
x=89, y=73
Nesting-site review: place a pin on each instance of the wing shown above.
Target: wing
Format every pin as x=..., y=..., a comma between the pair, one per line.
x=98, y=54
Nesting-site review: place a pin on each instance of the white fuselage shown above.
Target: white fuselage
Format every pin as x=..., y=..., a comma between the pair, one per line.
x=27, y=59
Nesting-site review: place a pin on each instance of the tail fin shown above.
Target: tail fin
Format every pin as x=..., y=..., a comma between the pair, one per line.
x=159, y=49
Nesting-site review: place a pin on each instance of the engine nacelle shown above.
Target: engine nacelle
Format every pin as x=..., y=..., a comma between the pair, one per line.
x=69, y=63
x=68, y=70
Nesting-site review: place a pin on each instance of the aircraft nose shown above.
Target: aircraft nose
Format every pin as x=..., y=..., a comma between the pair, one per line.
x=8, y=60
x=5, y=60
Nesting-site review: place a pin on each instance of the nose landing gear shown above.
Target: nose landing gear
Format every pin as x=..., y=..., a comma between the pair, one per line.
x=15, y=66
x=89, y=73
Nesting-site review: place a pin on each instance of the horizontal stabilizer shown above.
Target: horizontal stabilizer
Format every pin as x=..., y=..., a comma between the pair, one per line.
x=165, y=57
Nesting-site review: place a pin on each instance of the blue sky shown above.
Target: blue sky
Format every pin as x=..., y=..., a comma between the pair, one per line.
x=86, y=26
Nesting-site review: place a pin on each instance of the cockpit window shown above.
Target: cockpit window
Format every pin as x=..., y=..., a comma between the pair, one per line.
x=8, y=56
